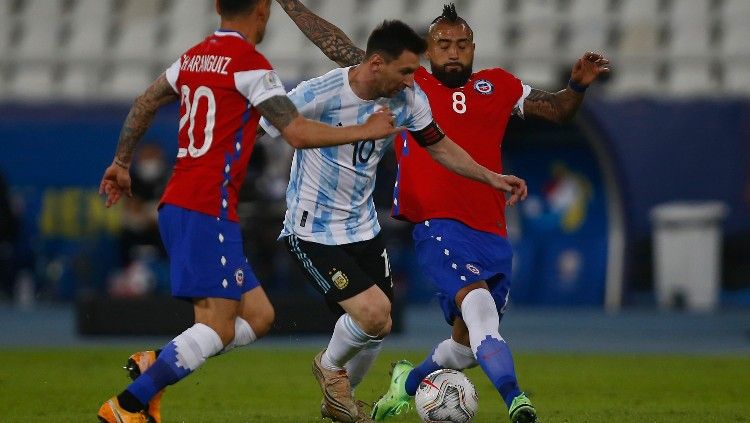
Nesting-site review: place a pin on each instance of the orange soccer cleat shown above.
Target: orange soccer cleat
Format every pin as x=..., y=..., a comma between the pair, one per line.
x=112, y=412
x=137, y=364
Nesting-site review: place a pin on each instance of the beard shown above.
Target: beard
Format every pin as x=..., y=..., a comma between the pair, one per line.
x=452, y=78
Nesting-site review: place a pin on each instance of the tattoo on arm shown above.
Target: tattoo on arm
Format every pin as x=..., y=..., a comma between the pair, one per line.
x=556, y=107
x=279, y=110
x=331, y=40
x=140, y=116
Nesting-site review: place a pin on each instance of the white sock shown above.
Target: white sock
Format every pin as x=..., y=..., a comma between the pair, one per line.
x=243, y=335
x=195, y=345
x=449, y=354
x=480, y=315
x=360, y=364
x=347, y=340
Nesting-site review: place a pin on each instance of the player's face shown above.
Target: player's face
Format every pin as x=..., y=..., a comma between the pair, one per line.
x=394, y=76
x=450, y=50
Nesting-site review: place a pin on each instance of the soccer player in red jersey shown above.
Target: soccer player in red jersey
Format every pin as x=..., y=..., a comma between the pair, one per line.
x=224, y=85
x=460, y=233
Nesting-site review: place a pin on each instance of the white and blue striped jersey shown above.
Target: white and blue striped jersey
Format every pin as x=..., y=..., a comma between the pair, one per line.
x=329, y=196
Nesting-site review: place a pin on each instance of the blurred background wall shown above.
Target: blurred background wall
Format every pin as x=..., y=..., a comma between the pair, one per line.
x=670, y=124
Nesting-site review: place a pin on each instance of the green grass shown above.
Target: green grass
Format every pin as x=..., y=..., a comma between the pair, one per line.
x=263, y=385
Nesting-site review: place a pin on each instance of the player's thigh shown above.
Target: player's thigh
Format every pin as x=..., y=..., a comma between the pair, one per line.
x=257, y=310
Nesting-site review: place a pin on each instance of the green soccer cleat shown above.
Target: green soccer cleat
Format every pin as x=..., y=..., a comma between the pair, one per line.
x=521, y=410
x=396, y=399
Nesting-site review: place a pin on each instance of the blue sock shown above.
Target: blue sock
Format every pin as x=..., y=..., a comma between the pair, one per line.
x=162, y=373
x=420, y=372
x=494, y=356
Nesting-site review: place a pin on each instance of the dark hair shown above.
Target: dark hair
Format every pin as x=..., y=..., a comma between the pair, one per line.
x=450, y=15
x=231, y=8
x=391, y=38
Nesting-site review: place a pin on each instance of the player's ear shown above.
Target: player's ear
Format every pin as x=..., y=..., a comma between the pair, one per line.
x=376, y=61
x=263, y=10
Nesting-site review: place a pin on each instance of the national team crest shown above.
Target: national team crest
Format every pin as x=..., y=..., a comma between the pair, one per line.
x=473, y=269
x=484, y=86
x=239, y=277
x=340, y=280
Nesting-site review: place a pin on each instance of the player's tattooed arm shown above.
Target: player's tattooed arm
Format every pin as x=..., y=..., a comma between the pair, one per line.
x=563, y=105
x=329, y=38
x=278, y=110
x=301, y=132
x=140, y=117
x=556, y=107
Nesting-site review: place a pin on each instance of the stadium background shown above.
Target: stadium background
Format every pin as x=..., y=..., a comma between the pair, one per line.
x=669, y=124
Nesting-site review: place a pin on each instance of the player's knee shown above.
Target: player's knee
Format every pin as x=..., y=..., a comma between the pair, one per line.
x=263, y=321
x=377, y=318
x=387, y=328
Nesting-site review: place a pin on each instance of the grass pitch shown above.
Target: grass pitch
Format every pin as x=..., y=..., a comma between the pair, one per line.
x=266, y=385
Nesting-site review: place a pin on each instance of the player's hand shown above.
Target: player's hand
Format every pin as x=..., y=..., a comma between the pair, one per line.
x=588, y=68
x=115, y=182
x=513, y=185
x=380, y=124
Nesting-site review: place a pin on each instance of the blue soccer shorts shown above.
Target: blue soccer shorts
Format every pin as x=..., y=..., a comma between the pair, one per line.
x=453, y=255
x=205, y=254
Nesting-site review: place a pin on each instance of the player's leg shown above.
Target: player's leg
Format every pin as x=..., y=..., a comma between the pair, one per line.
x=374, y=261
x=335, y=272
x=254, y=320
x=452, y=353
x=479, y=310
x=213, y=328
x=205, y=254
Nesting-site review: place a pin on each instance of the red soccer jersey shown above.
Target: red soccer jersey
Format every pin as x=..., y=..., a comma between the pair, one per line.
x=219, y=80
x=474, y=116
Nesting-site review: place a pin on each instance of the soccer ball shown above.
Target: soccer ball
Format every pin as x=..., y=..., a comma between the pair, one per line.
x=446, y=396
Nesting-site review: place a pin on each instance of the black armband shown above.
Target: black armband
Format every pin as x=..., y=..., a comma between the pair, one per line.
x=428, y=135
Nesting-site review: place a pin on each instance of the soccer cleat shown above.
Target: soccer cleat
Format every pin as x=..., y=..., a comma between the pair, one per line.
x=137, y=364
x=338, y=403
x=362, y=415
x=521, y=410
x=396, y=400
x=112, y=412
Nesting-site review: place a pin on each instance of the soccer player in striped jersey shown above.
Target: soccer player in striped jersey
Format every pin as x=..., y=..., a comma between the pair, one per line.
x=331, y=227
x=224, y=85
x=460, y=233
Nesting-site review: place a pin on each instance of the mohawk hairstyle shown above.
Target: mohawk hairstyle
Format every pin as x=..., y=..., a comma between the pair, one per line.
x=449, y=14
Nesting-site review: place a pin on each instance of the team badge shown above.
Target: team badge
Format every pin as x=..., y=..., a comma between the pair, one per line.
x=473, y=269
x=239, y=277
x=340, y=280
x=484, y=86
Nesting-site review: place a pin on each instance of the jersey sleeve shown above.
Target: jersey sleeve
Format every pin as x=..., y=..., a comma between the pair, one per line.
x=518, y=108
x=172, y=73
x=258, y=85
x=300, y=100
x=421, y=114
